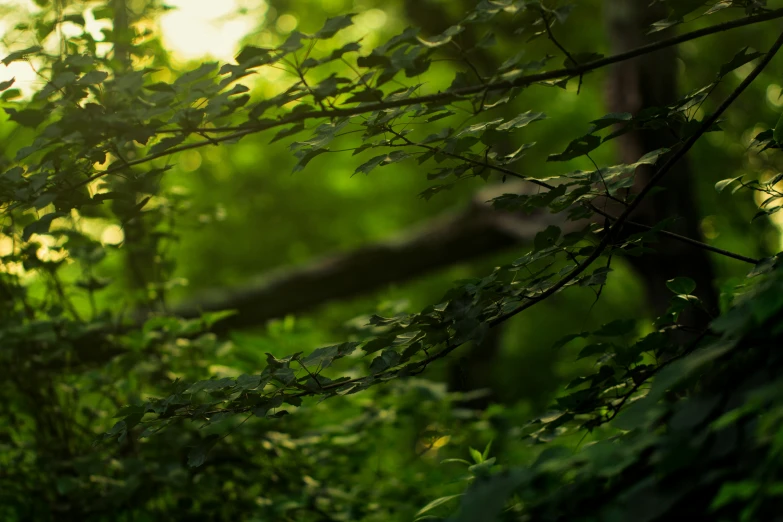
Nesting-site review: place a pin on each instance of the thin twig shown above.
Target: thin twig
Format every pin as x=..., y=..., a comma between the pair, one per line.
x=554, y=40
x=684, y=239
x=592, y=207
x=478, y=163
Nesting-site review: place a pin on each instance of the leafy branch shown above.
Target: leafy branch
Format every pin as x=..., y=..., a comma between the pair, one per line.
x=321, y=386
x=613, y=231
x=619, y=221
x=236, y=133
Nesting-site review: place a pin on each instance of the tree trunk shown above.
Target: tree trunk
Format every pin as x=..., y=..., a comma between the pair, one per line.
x=647, y=81
x=141, y=246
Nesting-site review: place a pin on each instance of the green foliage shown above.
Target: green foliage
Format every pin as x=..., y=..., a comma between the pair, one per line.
x=111, y=414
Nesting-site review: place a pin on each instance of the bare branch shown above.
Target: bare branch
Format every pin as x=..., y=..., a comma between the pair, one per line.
x=448, y=240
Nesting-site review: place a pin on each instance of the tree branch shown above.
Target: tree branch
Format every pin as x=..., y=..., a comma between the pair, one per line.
x=592, y=207
x=447, y=96
x=569, y=56
x=623, y=218
x=678, y=237
x=446, y=241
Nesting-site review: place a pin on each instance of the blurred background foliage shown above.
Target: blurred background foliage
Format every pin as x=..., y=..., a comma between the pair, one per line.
x=239, y=214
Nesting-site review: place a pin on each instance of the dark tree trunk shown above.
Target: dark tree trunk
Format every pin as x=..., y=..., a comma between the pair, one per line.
x=649, y=81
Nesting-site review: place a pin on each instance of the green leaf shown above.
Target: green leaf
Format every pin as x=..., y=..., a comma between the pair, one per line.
x=476, y=455
x=198, y=454
x=594, y=349
x=167, y=143
x=578, y=147
x=370, y=164
x=373, y=345
x=44, y=199
x=74, y=19
x=651, y=158
x=21, y=55
x=567, y=339
x=27, y=117
x=720, y=6
x=248, y=382
x=210, y=318
x=609, y=120
x=437, y=502
x=294, y=42
x=366, y=96
x=93, y=78
x=635, y=416
x=547, y=238
x=616, y=328
x=482, y=469
x=740, y=492
x=485, y=453
x=108, y=196
x=10, y=94
x=328, y=87
x=306, y=156
x=380, y=161
x=41, y=225
x=93, y=284
x=522, y=120
x=777, y=133
x=161, y=87
x=251, y=53
x=681, y=285
x=333, y=25
x=350, y=47
x=721, y=185
x=6, y=84
x=290, y=131
x=478, y=128
x=487, y=41
x=513, y=202
x=265, y=405
x=443, y=38
x=407, y=36
x=739, y=59
x=383, y=362
x=103, y=13
x=455, y=461
x=321, y=358
x=430, y=192
x=199, y=72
